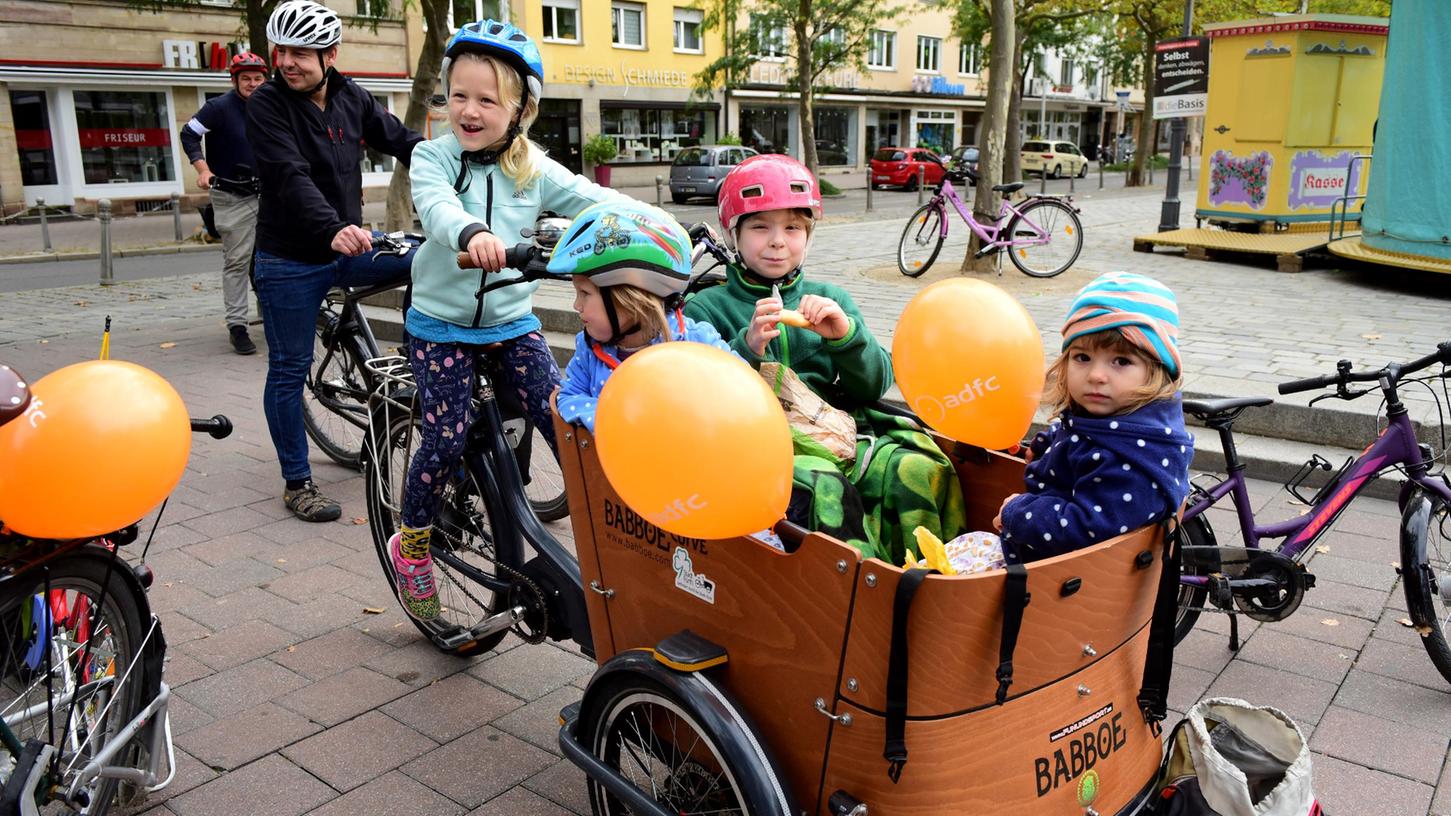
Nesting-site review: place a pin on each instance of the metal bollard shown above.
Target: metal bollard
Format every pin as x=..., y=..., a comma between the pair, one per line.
x=1071, y=177
x=1100, y=175
x=871, y=185
x=103, y=215
x=1189, y=165
x=660, y=192
x=44, y=225
x=921, y=182
x=1151, y=170
x=176, y=214
x=1043, y=181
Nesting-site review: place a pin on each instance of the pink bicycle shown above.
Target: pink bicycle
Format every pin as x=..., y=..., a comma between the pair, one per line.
x=1043, y=237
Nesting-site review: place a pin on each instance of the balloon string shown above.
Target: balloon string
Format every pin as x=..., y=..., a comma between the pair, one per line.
x=106, y=340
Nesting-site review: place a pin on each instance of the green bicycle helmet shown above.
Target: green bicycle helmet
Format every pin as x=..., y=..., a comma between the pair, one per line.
x=629, y=243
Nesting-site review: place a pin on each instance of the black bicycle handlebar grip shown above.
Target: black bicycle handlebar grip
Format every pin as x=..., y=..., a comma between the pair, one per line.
x=1309, y=384
x=218, y=426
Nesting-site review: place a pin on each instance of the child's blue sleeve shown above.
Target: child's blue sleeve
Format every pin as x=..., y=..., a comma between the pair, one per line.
x=699, y=331
x=578, y=393
x=567, y=193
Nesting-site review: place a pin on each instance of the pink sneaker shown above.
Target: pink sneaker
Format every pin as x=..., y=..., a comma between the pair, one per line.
x=415, y=582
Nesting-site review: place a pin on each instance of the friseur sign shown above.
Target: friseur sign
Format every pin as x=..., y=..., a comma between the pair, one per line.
x=1181, y=77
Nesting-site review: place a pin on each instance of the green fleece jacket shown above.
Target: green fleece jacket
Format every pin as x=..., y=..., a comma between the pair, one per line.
x=849, y=372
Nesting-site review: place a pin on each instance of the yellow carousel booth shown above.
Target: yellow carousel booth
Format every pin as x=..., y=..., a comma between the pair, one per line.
x=1292, y=103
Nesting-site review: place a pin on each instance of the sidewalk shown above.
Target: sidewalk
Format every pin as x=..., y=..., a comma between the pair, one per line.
x=292, y=698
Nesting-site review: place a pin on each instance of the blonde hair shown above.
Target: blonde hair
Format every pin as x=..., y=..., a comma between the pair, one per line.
x=521, y=161
x=1161, y=384
x=646, y=310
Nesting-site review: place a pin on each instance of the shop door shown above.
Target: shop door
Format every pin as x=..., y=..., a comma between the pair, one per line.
x=557, y=131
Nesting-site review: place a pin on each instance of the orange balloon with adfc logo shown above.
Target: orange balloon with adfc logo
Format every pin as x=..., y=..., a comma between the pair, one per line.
x=694, y=441
x=102, y=444
x=969, y=361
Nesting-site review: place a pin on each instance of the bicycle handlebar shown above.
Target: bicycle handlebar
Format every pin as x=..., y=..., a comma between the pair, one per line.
x=218, y=426
x=1393, y=371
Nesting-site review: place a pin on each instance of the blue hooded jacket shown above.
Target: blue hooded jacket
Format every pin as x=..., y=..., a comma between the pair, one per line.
x=1093, y=478
x=585, y=376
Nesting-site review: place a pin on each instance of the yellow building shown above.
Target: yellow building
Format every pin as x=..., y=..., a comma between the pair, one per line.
x=1292, y=100
x=93, y=95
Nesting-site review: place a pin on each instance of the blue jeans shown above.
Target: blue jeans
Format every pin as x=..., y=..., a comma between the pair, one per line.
x=290, y=294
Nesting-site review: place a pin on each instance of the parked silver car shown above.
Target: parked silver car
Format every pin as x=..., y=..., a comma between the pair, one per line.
x=697, y=171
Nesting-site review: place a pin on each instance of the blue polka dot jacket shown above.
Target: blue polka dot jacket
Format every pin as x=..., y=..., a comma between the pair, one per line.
x=1093, y=478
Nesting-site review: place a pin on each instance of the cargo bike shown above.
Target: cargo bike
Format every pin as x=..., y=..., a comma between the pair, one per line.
x=738, y=678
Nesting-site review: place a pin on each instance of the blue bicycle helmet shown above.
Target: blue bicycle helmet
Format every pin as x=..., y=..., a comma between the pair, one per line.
x=501, y=40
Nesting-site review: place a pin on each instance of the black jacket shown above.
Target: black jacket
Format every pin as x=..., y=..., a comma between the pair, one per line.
x=309, y=161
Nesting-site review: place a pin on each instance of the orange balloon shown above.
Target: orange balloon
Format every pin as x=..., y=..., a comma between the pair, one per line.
x=102, y=443
x=969, y=361
x=695, y=442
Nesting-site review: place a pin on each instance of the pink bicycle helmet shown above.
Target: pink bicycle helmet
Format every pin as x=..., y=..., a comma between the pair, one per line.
x=766, y=182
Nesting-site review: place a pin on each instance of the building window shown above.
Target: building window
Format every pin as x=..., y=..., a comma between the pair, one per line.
x=766, y=129
x=561, y=21
x=375, y=161
x=374, y=8
x=770, y=39
x=884, y=50
x=628, y=25
x=1090, y=75
x=644, y=134
x=969, y=59
x=835, y=136
x=125, y=136
x=687, y=30
x=1065, y=72
x=929, y=53
x=31, y=115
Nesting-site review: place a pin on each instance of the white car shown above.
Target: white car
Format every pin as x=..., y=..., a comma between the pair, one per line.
x=1054, y=158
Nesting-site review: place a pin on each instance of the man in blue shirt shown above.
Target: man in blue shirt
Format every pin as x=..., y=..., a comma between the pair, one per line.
x=226, y=171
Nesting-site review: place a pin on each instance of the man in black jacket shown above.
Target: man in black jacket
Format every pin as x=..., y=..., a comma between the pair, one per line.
x=307, y=126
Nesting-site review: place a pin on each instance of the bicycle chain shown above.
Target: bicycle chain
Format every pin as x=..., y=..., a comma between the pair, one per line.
x=517, y=628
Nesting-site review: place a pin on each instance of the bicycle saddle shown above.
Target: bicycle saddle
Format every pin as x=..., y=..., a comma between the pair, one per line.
x=14, y=394
x=1206, y=410
x=1008, y=188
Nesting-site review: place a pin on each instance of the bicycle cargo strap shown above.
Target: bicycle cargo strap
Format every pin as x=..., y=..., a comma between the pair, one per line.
x=1159, y=662
x=895, y=750
x=1015, y=600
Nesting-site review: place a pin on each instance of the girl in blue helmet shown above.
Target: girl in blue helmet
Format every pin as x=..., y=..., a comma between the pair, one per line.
x=474, y=189
x=630, y=265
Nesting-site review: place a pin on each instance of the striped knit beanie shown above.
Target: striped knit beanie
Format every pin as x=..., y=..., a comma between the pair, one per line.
x=1141, y=308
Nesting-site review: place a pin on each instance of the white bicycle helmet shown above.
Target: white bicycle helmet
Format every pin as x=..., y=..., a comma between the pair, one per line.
x=304, y=24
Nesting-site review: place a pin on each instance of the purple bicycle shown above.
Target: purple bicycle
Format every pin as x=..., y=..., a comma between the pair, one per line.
x=1269, y=584
x=1044, y=236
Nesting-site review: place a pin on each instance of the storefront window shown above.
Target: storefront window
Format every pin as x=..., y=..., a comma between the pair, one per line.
x=32, y=138
x=647, y=135
x=935, y=130
x=835, y=136
x=766, y=129
x=125, y=136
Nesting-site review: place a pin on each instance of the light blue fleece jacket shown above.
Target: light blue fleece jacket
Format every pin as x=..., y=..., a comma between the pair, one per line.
x=491, y=201
x=585, y=376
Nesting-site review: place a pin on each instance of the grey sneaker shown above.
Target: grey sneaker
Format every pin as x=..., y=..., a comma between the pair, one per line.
x=309, y=504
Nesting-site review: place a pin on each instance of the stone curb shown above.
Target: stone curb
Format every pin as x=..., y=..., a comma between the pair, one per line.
x=136, y=252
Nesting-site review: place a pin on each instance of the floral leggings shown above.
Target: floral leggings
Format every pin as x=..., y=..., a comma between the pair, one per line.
x=445, y=376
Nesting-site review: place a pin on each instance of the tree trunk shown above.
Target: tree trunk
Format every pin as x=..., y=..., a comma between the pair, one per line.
x=256, y=13
x=805, y=69
x=994, y=122
x=425, y=77
x=1138, y=174
x=1013, y=137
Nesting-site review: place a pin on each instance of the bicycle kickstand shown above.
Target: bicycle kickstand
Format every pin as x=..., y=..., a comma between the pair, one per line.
x=1234, y=631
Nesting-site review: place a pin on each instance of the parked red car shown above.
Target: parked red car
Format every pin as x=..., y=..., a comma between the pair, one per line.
x=897, y=166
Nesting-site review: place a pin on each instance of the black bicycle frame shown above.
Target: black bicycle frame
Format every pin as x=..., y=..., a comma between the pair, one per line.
x=349, y=325
x=1396, y=445
x=495, y=469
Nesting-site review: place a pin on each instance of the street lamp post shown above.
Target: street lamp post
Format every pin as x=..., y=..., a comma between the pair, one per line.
x=1169, y=214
